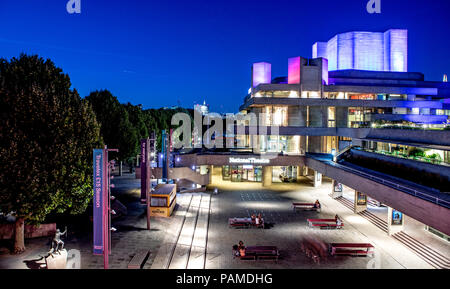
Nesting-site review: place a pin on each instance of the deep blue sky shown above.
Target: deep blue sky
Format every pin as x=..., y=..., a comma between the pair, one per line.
x=159, y=53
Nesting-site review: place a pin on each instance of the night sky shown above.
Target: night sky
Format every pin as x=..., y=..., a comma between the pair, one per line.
x=181, y=52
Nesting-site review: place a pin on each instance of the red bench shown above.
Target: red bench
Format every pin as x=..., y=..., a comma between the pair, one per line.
x=324, y=223
x=304, y=206
x=353, y=249
x=260, y=253
x=244, y=223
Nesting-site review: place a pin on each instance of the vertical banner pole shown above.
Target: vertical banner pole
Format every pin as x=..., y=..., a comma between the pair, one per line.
x=105, y=210
x=102, y=204
x=98, y=214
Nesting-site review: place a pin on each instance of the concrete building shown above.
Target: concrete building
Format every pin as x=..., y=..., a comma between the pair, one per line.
x=366, y=123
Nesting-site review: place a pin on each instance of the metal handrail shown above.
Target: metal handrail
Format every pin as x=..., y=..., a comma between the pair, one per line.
x=414, y=192
x=407, y=190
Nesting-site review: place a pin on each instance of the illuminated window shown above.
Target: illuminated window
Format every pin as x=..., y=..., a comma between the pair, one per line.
x=280, y=116
x=293, y=94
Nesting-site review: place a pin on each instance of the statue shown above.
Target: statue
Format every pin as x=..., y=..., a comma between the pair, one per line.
x=57, y=243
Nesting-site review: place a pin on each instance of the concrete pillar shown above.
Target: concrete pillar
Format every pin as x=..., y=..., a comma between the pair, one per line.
x=299, y=172
x=396, y=221
x=211, y=170
x=304, y=171
x=317, y=179
x=267, y=176
x=360, y=202
x=337, y=190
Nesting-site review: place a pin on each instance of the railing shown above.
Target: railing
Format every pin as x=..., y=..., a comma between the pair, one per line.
x=410, y=191
x=402, y=156
x=399, y=187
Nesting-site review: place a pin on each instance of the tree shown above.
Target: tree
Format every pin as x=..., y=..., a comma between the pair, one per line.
x=116, y=129
x=160, y=119
x=137, y=119
x=47, y=135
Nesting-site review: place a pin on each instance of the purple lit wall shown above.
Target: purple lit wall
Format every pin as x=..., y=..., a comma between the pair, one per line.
x=294, y=70
x=261, y=73
x=325, y=71
x=374, y=51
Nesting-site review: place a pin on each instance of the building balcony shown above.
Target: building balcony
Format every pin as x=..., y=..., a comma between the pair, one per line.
x=415, y=118
x=263, y=101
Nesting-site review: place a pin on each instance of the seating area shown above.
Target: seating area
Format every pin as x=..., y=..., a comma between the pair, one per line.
x=324, y=223
x=352, y=249
x=305, y=207
x=245, y=223
x=260, y=253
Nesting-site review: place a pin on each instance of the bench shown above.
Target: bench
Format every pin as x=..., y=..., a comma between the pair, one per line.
x=305, y=206
x=244, y=223
x=353, y=249
x=324, y=223
x=138, y=260
x=260, y=253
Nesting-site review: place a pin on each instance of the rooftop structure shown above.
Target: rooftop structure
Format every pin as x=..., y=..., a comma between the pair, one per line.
x=376, y=51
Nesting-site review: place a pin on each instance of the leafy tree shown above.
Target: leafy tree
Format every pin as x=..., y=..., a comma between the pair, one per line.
x=116, y=129
x=47, y=134
x=160, y=119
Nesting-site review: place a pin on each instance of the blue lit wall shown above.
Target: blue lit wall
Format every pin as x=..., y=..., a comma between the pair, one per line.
x=332, y=54
x=374, y=51
x=396, y=50
x=368, y=51
x=320, y=50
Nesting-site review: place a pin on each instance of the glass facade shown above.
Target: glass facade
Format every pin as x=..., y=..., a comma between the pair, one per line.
x=286, y=174
x=242, y=173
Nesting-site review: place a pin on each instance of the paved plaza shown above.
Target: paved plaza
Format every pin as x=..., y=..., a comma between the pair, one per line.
x=198, y=236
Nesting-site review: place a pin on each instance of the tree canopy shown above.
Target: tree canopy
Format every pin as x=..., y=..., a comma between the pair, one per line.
x=116, y=129
x=47, y=135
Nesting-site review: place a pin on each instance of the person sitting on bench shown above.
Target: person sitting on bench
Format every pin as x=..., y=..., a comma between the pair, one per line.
x=338, y=221
x=253, y=218
x=317, y=205
x=235, y=250
x=241, y=248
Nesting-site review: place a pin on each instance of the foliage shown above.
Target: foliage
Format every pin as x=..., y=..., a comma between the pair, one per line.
x=416, y=152
x=116, y=129
x=47, y=135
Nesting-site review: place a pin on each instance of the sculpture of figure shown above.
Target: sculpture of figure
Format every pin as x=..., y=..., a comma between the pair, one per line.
x=56, y=242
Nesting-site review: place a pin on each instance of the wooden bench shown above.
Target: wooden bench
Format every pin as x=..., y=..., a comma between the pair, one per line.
x=138, y=260
x=304, y=206
x=324, y=223
x=260, y=253
x=353, y=249
x=244, y=223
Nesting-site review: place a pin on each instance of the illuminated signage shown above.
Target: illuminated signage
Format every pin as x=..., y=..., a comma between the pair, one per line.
x=248, y=161
x=98, y=200
x=397, y=218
